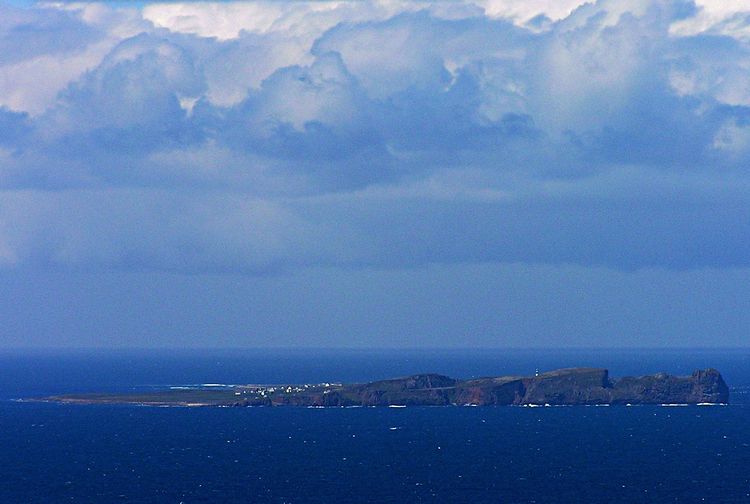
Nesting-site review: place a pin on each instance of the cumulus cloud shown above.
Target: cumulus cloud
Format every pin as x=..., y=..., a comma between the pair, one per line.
x=46, y=48
x=271, y=135
x=720, y=18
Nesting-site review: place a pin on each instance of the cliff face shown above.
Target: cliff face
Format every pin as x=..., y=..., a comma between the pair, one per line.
x=703, y=386
x=568, y=386
x=490, y=391
x=576, y=386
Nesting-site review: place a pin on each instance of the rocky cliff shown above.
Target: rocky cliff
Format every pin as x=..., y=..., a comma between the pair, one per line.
x=575, y=386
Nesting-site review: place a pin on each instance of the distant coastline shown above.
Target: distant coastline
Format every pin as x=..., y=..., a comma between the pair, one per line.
x=562, y=387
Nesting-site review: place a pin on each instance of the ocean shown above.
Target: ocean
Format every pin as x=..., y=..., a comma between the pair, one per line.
x=53, y=453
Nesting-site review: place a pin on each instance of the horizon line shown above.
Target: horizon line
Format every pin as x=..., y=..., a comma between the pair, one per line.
x=368, y=348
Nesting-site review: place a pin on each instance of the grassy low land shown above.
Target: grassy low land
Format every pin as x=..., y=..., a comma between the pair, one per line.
x=240, y=395
x=181, y=397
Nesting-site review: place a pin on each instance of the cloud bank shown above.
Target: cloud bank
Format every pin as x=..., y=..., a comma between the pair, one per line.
x=269, y=136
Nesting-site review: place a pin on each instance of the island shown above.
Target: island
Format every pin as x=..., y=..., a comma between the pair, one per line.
x=562, y=387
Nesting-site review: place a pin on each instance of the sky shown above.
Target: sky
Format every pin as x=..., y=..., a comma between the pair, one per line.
x=474, y=173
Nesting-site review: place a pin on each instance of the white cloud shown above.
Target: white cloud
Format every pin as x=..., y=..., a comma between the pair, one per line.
x=724, y=18
x=733, y=138
x=139, y=83
x=234, y=68
x=323, y=92
x=31, y=83
x=305, y=20
x=268, y=135
x=523, y=12
x=228, y=20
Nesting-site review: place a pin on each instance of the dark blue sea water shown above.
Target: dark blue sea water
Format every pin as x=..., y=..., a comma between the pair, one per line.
x=53, y=453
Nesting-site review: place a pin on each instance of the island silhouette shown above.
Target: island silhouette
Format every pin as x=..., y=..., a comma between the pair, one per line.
x=570, y=386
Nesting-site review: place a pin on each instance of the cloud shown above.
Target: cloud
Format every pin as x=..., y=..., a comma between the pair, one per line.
x=25, y=34
x=523, y=12
x=629, y=220
x=46, y=48
x=719, y=18
x=236, y=137
x=146, y=229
